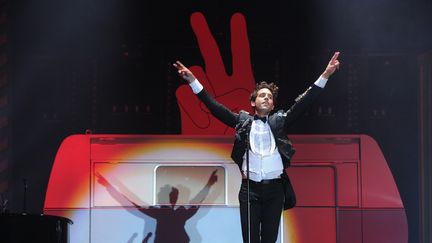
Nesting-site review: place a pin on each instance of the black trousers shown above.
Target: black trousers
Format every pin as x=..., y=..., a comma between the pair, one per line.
x=266, y=203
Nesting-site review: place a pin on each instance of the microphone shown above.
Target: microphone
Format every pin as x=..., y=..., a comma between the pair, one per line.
x=246, y=123
x=244, y=126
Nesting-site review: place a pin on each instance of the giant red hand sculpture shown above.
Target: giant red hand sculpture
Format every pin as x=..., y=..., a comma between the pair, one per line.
x=231, y=90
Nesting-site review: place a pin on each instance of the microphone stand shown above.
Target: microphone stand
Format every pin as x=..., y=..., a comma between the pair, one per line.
x=244, y=129
x=25, y=196
x=247, y=148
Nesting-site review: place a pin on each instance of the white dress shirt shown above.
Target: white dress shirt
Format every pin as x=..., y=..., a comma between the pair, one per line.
x=265, y=162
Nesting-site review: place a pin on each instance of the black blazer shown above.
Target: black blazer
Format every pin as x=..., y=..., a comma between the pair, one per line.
x=278, y=122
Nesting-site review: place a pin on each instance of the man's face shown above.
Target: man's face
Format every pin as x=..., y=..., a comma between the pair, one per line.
x=264, y=102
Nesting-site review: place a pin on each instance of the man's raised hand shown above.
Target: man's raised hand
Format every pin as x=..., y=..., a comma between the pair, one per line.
x=184, y=72
x=332, y=66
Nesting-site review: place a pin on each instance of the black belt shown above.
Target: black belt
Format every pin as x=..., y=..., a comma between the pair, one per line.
x=263, y=182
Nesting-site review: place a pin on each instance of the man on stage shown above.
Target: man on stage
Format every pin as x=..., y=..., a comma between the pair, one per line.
x=269, y=150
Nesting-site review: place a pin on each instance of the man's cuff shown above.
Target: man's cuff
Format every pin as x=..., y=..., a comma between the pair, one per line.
x=321, y=82
x=196, y=86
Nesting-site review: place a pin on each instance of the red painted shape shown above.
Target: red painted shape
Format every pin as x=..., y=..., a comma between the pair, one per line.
x=70, y=175
x=350, y=193
x=384, y=225
x=315, y=224
x=350, y=226
x=369, y=207
x=348, y=184
x=314, y=185
x=231, y=90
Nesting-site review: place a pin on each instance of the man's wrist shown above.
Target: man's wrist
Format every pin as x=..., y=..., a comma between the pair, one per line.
x=321, y=81
x=196, y=86
x=326, y=75
x=190, y=80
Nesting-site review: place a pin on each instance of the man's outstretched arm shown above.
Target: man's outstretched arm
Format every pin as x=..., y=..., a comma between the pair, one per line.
x=305, y=99
x=332, y=66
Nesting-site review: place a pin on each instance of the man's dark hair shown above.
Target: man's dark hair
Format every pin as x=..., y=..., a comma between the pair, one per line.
x=271, y=86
